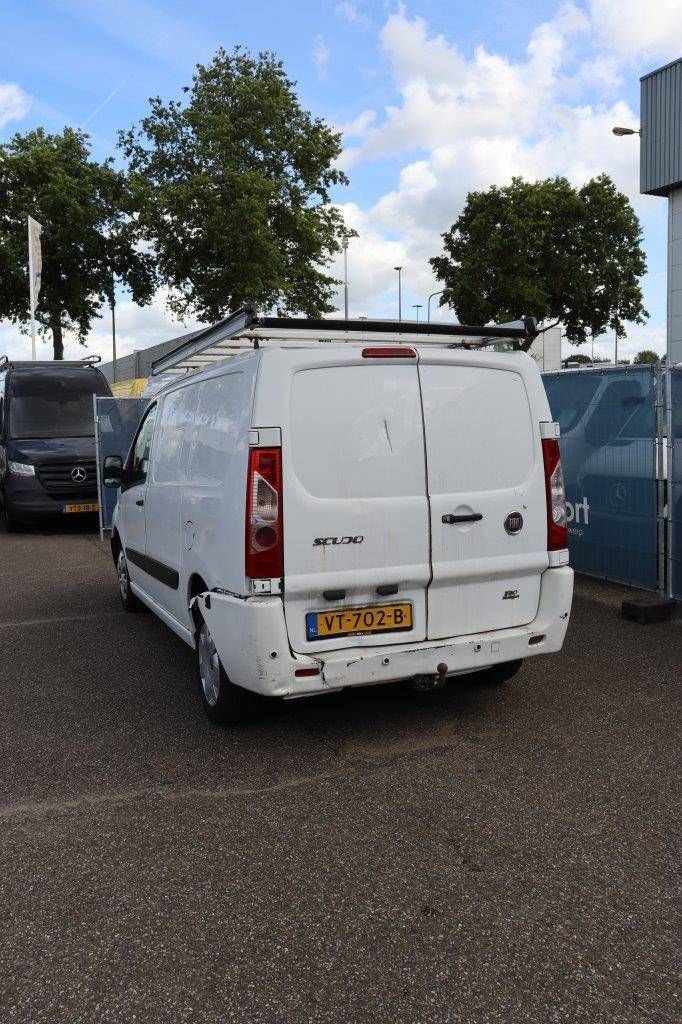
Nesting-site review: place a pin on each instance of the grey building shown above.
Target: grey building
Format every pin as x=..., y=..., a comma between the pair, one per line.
x=660, y=174
x=139, y=363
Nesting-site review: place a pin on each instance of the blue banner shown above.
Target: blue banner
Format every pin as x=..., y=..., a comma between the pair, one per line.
x=116, y=423
x=608, y=450
x=675, y=496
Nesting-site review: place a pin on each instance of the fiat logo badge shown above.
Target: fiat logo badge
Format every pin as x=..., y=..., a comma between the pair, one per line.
x=513, y=523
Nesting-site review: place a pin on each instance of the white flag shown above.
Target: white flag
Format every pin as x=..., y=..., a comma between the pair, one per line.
x=35, y=260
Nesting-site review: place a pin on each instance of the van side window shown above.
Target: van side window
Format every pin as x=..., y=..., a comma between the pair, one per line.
x=143, y=443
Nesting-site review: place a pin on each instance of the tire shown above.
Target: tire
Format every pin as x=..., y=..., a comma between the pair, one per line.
x=496, y=675
x=12, y=523
x=224, y=703
x=128, y=599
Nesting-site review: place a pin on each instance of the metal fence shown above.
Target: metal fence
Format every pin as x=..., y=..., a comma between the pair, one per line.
x=675, y=482
x=612, y=456
x=116, y=421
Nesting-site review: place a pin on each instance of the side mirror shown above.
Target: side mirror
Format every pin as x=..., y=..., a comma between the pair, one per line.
x=112, y=474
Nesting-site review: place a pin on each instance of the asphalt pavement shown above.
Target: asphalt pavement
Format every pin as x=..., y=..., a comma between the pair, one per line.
x=477, y=855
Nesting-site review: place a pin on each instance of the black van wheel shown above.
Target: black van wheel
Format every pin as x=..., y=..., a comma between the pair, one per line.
x=224, y=703
x=496, y=675
x=128, y=599
x=12, y=524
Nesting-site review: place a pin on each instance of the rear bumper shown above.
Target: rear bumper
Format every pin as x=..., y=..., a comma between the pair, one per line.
x=251, y=638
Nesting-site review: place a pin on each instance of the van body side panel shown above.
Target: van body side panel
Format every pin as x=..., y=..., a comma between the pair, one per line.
x=214, y=500
x=195, y=494
x=484, y=460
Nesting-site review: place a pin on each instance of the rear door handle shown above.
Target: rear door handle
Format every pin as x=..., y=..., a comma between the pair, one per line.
x=472, y=517
x=140, y=501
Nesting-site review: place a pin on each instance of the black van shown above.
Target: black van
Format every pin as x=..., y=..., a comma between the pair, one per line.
x=47, y=442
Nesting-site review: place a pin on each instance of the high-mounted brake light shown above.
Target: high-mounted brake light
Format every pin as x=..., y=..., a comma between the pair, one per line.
x=264, y=551
x=557, y=530
x=389, y=353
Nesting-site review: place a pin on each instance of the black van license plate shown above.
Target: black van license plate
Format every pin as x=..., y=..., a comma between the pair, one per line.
x=82, y=506
x=386, y=618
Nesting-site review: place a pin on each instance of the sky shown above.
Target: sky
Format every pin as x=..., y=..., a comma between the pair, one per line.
x=434, y=98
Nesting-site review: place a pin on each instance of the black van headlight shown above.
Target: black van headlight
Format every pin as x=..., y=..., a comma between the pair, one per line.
x=21, y=468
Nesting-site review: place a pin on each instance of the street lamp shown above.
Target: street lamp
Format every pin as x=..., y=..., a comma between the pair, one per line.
x=417, y=306
x=626, y=131
x=400, y=294
x=112, y=304
x=428, y=304
x=345, y=278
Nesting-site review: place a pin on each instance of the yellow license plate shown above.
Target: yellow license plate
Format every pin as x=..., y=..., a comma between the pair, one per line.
x=82, y=507
x=356, y=621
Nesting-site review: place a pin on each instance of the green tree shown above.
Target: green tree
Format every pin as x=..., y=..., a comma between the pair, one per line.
x=646, y=356
x=234, y=184
x=89, y=233
x=580, y=359
x=565, y=255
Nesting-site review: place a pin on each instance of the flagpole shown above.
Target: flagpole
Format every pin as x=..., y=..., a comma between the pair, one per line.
x=31, y=295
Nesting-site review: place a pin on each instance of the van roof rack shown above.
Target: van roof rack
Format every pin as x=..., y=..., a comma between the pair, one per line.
x=14, y=364
x=245, y=329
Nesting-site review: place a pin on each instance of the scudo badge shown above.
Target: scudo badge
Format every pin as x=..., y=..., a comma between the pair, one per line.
x=513, y=523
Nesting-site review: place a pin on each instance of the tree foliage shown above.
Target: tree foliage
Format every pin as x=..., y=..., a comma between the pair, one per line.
x=645, y=357
x=89, y=232
x=234, y=184
x=565, y=255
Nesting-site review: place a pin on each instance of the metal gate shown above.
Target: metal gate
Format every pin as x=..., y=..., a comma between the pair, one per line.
x=612, y=454
x=116, y=421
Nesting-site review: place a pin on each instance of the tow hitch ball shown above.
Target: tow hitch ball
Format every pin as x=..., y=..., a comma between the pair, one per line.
x=431, y=682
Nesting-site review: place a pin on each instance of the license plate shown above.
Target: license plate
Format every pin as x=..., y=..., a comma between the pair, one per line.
x=82, y=507
x=384, y=618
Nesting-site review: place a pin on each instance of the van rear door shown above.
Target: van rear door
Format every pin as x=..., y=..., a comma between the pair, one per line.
x=486, y=491
x=356, y=516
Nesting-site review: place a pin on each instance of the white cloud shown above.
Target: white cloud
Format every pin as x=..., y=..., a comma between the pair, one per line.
x=360, y=125
x=446, y=97
x=350, y=12
x=14, y=103
x=634, y=28
x=321, y=57
x=371, y=259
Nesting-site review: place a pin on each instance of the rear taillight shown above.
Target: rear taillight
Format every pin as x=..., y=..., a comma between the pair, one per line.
x=264, y=535
x=557, y=532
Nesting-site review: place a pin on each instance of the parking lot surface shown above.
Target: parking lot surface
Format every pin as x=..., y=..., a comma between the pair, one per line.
x=475, y=855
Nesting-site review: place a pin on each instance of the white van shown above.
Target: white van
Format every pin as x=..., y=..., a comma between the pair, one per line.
x=312, y=516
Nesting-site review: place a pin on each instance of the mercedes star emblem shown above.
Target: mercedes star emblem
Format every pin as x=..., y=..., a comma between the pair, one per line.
x=78, y=474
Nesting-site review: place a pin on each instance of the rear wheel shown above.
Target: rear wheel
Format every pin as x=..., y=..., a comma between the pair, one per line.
x=224, y=703
x=496, y=675
x=128, y=599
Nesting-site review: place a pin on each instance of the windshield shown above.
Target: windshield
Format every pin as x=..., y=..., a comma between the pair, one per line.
x=53, y=403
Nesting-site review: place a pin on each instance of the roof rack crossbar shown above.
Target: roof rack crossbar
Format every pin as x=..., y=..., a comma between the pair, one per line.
x=11, y=364
x=246, y=326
